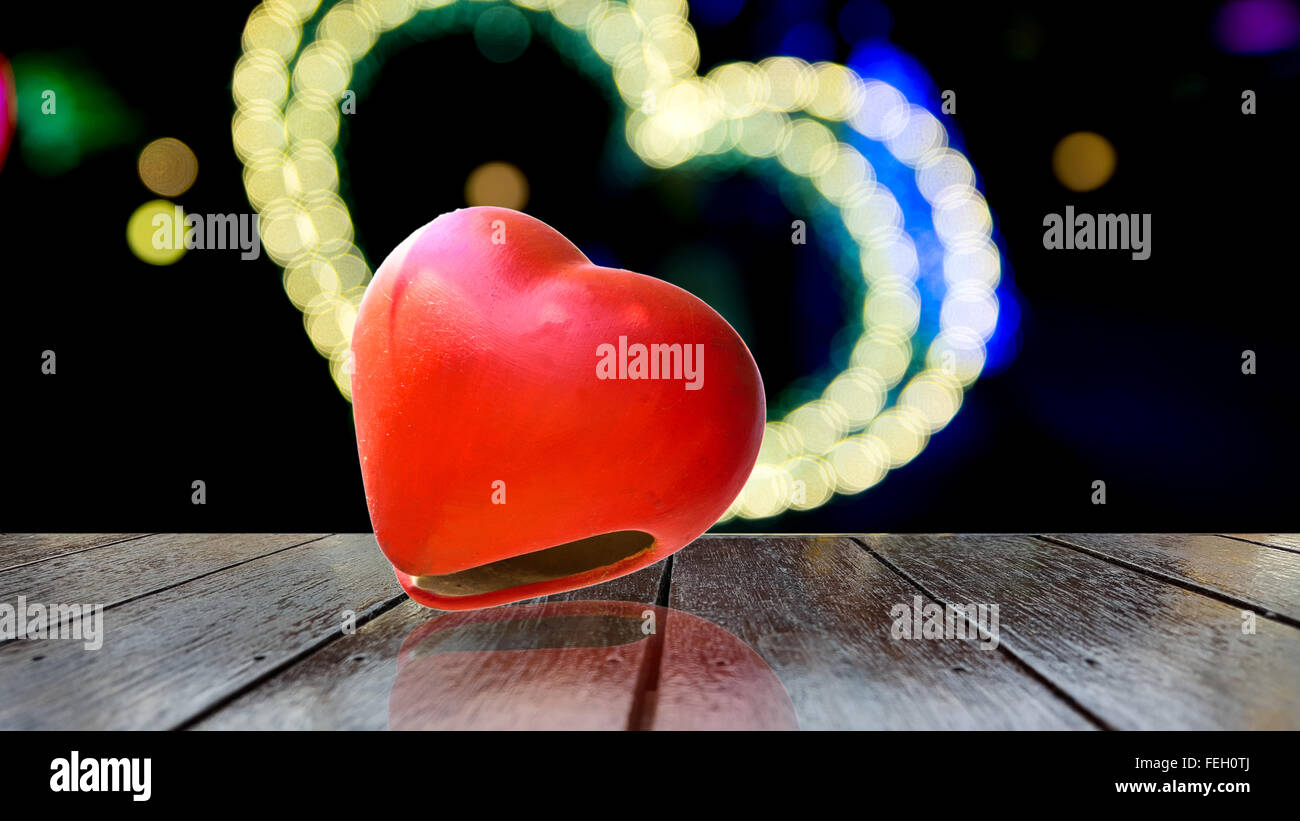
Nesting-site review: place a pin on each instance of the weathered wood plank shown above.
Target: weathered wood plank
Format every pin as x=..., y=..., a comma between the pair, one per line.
x=24, y=548
x=167, y=656
x=818, y=610
x=1136, y=651
x=119, y=572
x=485, y=676
x=1242, y=572
x=1283, y=541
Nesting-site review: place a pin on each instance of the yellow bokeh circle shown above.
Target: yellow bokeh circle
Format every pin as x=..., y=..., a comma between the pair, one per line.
x=285, y=130
x=1083, y=161
x=155, y=232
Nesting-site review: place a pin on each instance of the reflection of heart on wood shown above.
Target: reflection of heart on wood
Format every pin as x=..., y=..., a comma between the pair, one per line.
x=499, y=462
x=583, y=665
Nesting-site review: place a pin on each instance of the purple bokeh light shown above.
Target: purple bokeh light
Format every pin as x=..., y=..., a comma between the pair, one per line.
x=1258, y=26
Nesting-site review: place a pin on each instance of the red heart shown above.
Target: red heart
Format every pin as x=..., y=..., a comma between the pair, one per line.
x=506, y=451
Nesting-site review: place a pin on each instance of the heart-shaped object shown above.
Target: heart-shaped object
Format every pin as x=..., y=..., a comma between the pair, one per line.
x=529, y=422
x=826, y=124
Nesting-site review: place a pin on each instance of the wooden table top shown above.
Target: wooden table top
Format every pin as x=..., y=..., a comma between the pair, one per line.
x=311, y=631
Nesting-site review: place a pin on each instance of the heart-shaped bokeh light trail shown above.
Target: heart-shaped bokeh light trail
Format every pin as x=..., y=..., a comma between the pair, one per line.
x=286, y=127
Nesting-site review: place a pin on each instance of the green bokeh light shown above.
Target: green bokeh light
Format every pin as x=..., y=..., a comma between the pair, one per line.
x=502, y=33
x=65, y=113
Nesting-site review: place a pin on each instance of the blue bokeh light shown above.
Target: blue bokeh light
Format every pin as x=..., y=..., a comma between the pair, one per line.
x=811, y=41
x=877, y=59
x=715, y=12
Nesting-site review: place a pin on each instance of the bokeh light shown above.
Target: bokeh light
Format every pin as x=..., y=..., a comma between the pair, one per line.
x=1083, y=161
x=168, y=167
x=155, y=232
x=1024, y=39
x=1257, y=26
x=883, y=165
x=716, y=12
x=502, y=33
x=809, y=40
x=8, y=108
x=497, y=183
x=66, y=112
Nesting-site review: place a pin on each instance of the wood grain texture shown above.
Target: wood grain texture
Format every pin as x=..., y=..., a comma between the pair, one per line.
x=818, y=611
x=169, y=655
x=349, y=684
x=1240, y=572
x=125, y=570
x=24, y=548
x=246, y=631
x=1134, y=650
x=1283, y=541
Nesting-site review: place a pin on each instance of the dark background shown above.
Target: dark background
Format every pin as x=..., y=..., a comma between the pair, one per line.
x=1127, y=371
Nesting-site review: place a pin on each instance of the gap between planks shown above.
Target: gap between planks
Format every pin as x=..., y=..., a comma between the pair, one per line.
x=370, y=614
x=1137, y=650
x=1023, y=664
x=315, y=690
x=642, y=714
x=1188, y=584
x=1242, y=537
x=72, y=552
x=153, y=591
